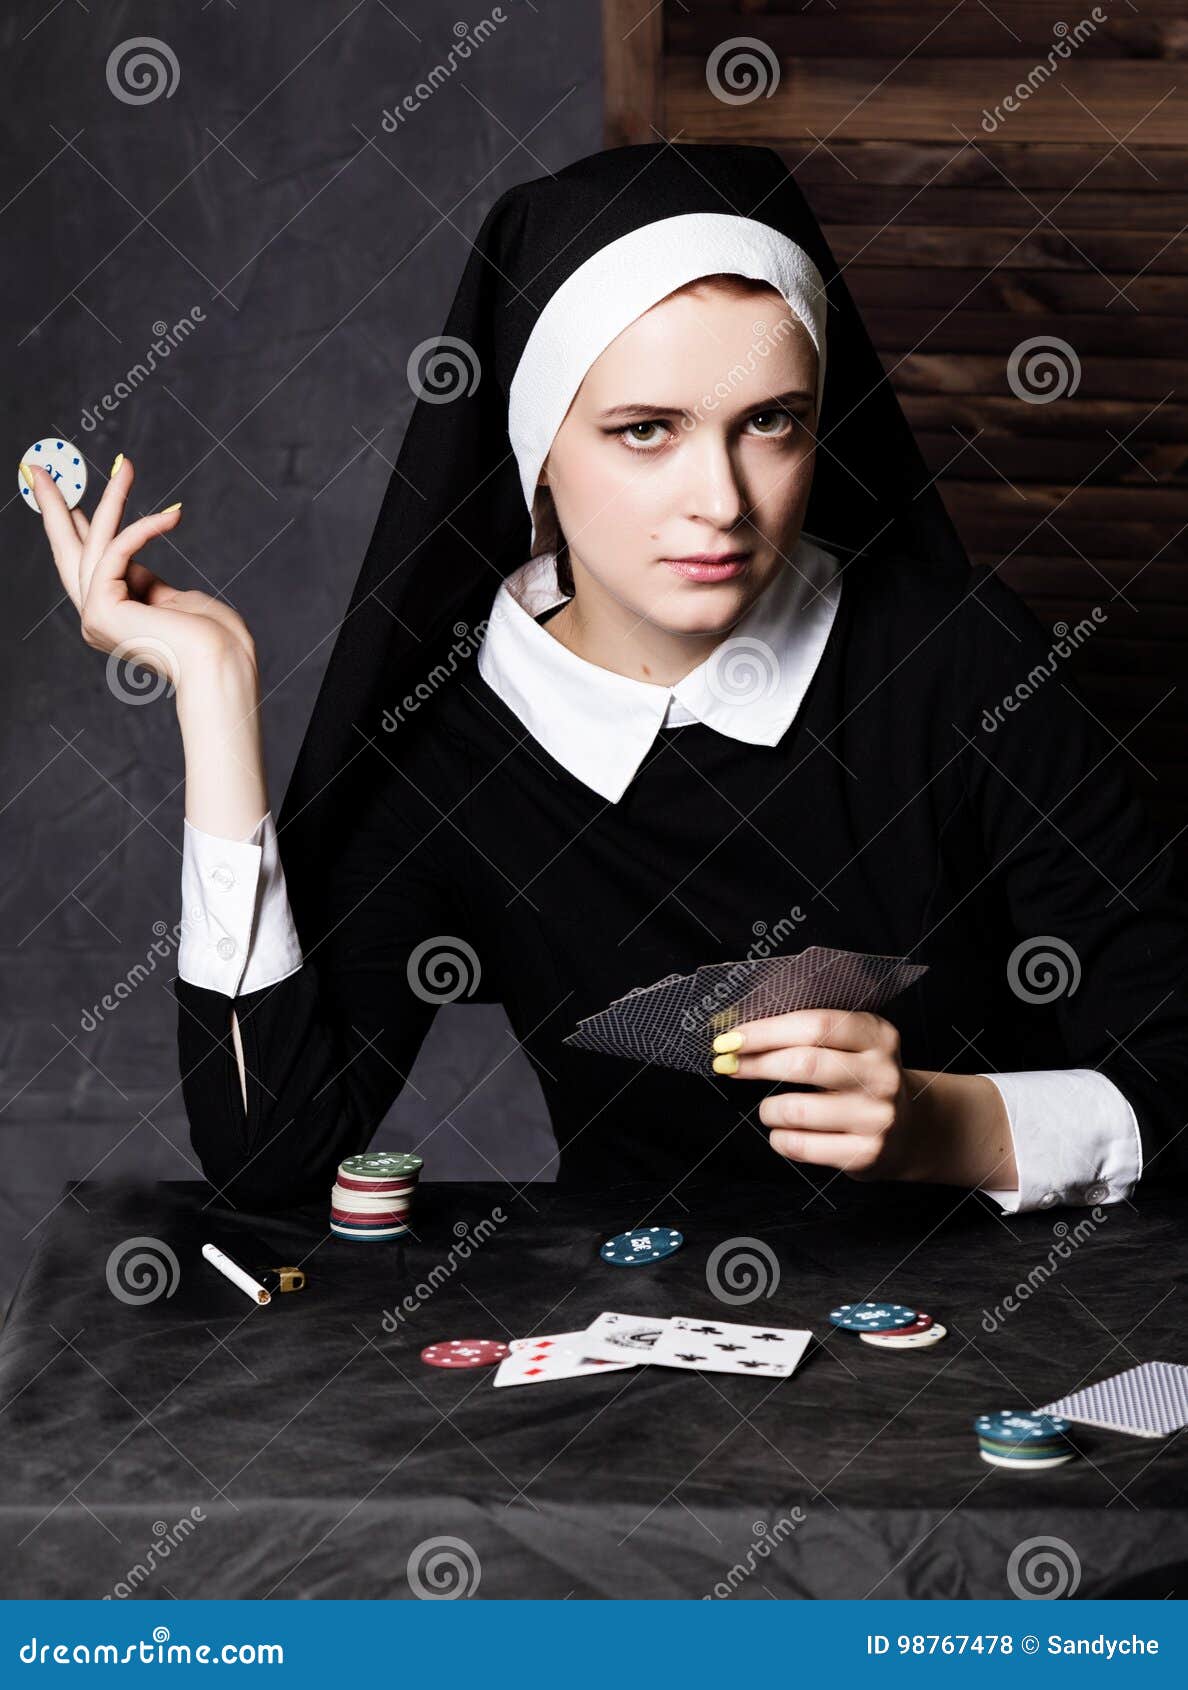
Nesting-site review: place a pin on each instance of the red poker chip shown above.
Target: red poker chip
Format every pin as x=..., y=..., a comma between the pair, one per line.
x=465, y=1352
x=380, y=1187
x=922, y=1323
x=347, y=1217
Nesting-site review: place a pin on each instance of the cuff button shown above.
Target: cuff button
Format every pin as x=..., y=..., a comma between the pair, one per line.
x=1047, y=1200
x=226, y=949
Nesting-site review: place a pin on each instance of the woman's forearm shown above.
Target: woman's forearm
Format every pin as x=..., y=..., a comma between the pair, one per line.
x=218, y=711
x=962, y=1131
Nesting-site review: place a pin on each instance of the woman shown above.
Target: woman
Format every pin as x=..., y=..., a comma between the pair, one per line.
x=575, y=759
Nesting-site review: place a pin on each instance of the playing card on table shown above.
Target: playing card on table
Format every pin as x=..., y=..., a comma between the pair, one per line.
x=674, y=1021
x=560, y=1355
x=623, y=1337
x=1150, y=1401
x=723, y=1346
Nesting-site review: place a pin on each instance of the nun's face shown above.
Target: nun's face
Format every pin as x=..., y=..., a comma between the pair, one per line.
x=691, y=436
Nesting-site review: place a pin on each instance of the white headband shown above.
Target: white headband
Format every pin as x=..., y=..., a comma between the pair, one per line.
x=622, y=280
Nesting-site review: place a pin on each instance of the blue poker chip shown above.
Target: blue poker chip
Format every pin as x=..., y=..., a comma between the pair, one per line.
x=648, y=1244
x=872, y=1317
x=1017, y=1426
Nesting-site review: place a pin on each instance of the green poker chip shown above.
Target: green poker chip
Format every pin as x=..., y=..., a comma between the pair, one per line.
x=382, y=1164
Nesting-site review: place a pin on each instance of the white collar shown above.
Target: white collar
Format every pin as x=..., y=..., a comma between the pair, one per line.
x=600, y=725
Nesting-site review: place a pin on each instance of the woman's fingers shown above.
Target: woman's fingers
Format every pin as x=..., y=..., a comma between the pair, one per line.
x=817, y=1065
x=104, y=524
x=114, y=562
x=59, y=529
x=843, y=1029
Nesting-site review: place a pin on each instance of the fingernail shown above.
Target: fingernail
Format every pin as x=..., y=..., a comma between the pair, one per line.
x=725, y=1064
x=115, y=468
x=169, y=508
x=728, y=1041
x=28, y=474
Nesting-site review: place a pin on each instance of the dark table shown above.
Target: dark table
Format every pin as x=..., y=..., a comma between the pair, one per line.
x=196, y=1446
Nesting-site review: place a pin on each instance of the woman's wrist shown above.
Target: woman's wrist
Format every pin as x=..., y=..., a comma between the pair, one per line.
x=959, y=1130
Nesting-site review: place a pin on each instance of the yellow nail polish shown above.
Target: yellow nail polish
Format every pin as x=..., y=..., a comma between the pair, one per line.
x=726, y=1064
x=115, y=468
x=27, y=473
x=169, y=508
x=728, y=1041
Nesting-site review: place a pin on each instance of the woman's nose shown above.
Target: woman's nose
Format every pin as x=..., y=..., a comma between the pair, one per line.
x=715, y=491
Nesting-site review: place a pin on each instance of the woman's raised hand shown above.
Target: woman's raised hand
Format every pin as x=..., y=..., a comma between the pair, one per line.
x=123, y=607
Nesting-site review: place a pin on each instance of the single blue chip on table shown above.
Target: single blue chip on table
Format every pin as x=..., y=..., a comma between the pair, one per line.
x=1016, y=1426
x=872, y=1317
x=649, y=1244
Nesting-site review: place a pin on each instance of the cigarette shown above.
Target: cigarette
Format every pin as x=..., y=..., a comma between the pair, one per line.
x=232, y=1271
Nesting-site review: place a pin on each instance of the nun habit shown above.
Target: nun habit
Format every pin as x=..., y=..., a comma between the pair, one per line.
x=906, y=809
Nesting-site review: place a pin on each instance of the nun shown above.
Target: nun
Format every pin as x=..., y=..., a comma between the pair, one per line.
x=665, y=652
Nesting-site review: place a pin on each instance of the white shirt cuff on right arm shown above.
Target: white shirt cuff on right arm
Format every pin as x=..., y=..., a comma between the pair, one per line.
x=1076, y=1139
x=238, y=932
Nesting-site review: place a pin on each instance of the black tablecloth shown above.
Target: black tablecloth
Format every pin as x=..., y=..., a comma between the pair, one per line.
x=313, y=1452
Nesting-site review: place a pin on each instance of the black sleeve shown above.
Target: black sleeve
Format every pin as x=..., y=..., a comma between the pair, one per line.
x=1079, y=859
x=327, y=1050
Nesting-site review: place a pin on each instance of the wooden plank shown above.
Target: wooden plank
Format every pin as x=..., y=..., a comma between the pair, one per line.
x=985, y=163
x=951, y=372
x=933, y=100
x=930, y=32
x=1005, y=418
x=1042, y=578
x=1023, y=293
x=976, y=458
x=1001, y=207
x=1027, y=247
x=632, y=42
x=1120, y=333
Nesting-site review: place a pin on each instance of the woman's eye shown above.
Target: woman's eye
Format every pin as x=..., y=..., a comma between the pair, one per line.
x=777, y=417
x=629, y=436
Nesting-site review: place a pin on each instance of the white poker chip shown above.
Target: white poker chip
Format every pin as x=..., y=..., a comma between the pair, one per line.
x=906, y=1341
x=64, y=462
x=1030, y=1466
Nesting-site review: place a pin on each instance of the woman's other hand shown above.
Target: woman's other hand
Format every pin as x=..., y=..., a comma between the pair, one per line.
x=122, y=605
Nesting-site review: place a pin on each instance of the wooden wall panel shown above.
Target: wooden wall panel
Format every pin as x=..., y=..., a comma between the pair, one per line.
x=963, y=236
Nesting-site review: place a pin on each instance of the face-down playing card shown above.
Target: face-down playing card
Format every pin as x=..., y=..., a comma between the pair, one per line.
x=1149, y=1401
x=673, y=1022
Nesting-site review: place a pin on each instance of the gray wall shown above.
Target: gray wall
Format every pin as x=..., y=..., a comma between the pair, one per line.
x=320, y=249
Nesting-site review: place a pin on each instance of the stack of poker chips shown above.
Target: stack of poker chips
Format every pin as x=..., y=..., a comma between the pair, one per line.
x=372, y=1195
x=889, y=1326
x=1012, y=1437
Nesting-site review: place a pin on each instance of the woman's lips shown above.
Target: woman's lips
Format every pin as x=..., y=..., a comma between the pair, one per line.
x=697, y=571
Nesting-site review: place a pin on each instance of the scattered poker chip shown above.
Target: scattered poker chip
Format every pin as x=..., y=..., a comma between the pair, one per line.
x=648, y=1244
x=910, y=1339
x=873, y=1317
x=465, y=1352
x=64, y=462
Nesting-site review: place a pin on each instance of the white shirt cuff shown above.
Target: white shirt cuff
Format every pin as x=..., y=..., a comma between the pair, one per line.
x=238, y=933
x=1076, y=1139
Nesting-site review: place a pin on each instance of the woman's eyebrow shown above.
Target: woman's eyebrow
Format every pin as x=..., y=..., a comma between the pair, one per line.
x=615, y=412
